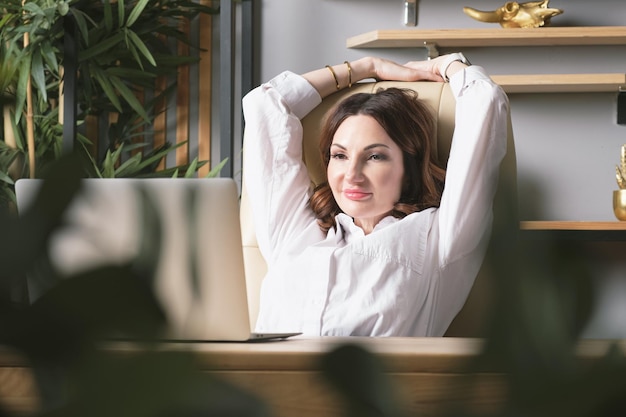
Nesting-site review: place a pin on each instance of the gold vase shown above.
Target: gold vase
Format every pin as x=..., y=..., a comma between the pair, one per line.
x=619, y=204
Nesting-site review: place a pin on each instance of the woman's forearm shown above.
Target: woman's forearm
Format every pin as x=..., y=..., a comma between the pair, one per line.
x=332, y=78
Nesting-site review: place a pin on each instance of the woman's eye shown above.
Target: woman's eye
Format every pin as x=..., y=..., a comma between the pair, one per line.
x=337, y=156
x=377, y=157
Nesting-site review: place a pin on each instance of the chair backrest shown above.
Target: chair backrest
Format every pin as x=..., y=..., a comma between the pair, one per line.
x=439, y=97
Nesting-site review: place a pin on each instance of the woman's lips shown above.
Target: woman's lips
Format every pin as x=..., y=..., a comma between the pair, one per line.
x=356, y=194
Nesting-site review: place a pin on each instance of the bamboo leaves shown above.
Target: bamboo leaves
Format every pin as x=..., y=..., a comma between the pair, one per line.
x=22, y=82
x=141, y=164
x=108, y=16
x=120, y=10
x=100, y=47
x=82, y=21
x=135, y=43
x=28, y=33
x=38, y=75
x=130, y=98
x=136, y=12
x=123, y=47
x=100, y=76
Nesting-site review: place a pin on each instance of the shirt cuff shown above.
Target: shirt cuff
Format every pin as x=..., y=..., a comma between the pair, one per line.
x=299, y=95
x=463, y=78
x=458, y=56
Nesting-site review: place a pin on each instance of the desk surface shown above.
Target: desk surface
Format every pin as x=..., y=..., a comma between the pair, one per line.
x=421, y=354
x=427, y=354
x=303, y=353
x=429, y=373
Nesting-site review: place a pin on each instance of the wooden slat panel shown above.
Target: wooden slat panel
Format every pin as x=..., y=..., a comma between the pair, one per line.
x=160, y=120
x=182, y=100
x=91, y=132
x=141, y=96
x=204, y=85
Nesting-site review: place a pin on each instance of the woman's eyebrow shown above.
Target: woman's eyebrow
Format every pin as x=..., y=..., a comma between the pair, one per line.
x=368, y=147
x=376, y=145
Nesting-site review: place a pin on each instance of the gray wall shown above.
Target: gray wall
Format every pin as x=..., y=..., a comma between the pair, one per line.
x=567, y=144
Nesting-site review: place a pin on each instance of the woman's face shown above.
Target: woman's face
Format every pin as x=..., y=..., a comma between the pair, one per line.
x=365, y=170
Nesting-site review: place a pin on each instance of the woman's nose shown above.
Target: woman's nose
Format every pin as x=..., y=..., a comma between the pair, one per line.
x=354, y=172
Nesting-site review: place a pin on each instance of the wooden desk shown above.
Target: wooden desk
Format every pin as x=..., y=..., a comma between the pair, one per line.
x=18, y=391
x=429, y=374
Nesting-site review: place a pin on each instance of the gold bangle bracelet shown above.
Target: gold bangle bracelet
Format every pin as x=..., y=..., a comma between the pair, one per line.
x=349, y=73
x=334, y=75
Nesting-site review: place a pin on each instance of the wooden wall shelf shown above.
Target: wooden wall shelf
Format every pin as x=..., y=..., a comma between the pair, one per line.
x=496, y=36
x=571, y=225
x=561, y=83
x=576, y=230
x=545, y=36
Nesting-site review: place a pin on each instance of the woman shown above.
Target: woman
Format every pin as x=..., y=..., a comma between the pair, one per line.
x=380, y=250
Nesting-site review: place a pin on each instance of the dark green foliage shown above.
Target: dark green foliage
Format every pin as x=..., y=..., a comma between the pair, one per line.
x=359, y=377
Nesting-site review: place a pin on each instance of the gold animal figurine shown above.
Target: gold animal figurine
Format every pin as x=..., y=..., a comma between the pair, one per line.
x=531, y=14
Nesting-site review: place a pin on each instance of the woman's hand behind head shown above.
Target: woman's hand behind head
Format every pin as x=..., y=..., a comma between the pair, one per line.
x=428, y=70
x=384, y=69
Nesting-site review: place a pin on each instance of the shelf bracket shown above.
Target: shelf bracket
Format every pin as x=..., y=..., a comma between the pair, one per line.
x=621, y=106
x=431, y=49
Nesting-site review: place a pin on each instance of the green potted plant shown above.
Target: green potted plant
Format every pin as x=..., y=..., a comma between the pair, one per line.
x=123, y=48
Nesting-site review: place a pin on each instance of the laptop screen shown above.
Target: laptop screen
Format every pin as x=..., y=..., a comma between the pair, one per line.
x=199, y=274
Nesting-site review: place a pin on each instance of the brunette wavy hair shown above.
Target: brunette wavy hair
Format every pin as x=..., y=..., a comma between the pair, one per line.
x=411, y=125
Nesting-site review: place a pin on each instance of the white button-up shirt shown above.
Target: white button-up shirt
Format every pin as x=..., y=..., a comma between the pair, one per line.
x=410, y=276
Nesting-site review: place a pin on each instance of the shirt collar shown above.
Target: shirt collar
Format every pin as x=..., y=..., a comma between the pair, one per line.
x=348, y=230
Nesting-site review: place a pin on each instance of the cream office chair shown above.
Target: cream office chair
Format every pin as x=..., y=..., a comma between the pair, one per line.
x=438, y=96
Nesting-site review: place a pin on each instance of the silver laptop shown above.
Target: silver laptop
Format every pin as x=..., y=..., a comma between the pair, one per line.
x=200, y=230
